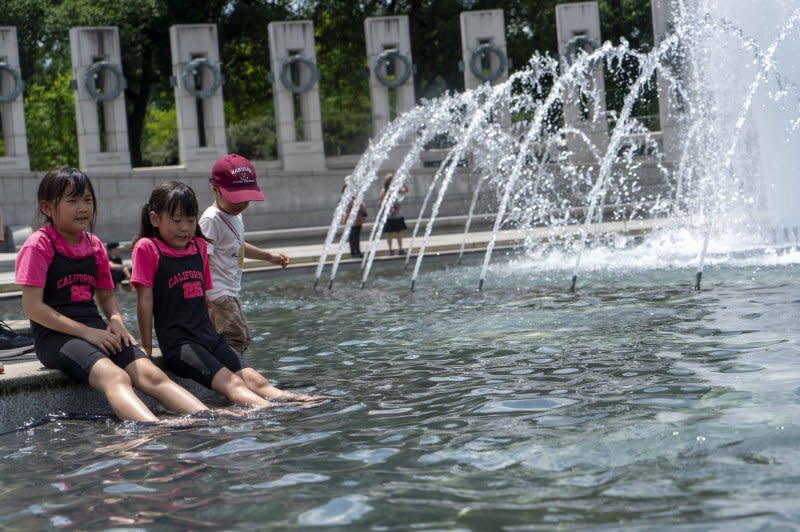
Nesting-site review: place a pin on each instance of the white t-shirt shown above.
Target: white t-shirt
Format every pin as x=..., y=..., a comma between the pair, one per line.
x=225, y=252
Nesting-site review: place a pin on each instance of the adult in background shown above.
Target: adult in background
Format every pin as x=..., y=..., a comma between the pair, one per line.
x=395, y=222
x=354, y=237
x=6, y=238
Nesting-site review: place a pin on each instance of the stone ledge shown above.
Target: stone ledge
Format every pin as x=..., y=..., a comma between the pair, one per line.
x=30, y=392
x=25, y=372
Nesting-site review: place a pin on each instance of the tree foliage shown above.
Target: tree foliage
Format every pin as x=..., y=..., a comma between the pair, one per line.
x=43, y=27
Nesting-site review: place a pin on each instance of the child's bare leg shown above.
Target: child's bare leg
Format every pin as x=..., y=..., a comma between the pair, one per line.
x=115, y=384
x=261, y=386
x=235, y=390
x=389, y=241
x=151, y=380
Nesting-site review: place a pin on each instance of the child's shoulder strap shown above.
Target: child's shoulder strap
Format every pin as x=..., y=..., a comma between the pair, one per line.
x=229, y=225
x=154, y=241
x=47, y=234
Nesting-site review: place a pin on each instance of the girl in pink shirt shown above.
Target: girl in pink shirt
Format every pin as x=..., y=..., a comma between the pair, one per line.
x=171, y=276
x=64, y=273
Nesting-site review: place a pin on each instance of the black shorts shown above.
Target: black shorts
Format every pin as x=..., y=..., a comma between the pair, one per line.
x=197, y=362
x=394, y=225
x=117, y=276
x=75, y=356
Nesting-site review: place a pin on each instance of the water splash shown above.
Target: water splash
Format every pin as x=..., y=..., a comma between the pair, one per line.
x=543, y=173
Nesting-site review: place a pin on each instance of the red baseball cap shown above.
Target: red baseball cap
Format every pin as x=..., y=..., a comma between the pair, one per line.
x=236, y=179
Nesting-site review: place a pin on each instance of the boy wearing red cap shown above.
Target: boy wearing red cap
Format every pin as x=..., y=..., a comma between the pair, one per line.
x=233, y=182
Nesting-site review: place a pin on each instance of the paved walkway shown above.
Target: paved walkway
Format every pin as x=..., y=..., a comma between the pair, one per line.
x=307, y=255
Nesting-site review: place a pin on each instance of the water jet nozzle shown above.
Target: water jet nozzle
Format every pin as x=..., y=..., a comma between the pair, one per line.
x=330, y=284
x=480, y=285
x=574, y=282
x=697, y=281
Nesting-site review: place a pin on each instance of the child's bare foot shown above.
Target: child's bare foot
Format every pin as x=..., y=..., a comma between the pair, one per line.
x=285, y=395
x=247, y=410
x=212, y=413
x=182, y=422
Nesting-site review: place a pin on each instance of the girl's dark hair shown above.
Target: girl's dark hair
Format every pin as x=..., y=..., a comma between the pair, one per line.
x=387, y=181
x=59, y=182
x=169, y=197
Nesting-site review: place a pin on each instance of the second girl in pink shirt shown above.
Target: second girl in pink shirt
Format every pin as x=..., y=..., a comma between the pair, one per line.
x=171, y=276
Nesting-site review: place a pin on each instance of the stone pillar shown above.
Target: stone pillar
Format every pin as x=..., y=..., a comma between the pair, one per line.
x=294, y=81
x=483, y=47
x=390, y=67
x=197, y=80
x=99, y=87
x=12, y=111
x=669, y=106
x=578, y=27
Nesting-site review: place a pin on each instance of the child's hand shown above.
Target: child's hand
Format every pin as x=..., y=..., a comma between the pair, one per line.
x=117, y=328
x=280, y=260
x=108, y=342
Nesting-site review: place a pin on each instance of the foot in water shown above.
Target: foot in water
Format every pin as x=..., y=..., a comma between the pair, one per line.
x=182, y=422
x=293, y=397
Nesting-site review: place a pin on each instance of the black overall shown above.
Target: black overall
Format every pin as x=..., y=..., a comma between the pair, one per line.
x=190, y=345
x=69, y=289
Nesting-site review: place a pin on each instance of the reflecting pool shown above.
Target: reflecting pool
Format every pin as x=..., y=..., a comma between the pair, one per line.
x=634, y=402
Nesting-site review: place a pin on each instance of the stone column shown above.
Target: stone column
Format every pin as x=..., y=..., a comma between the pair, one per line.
x=197, y=80
x=483, y=47
x=669, y=106
x=295, y=81
x=390, y=67
x=12, y=112
x=578, y=28
x=99, y=86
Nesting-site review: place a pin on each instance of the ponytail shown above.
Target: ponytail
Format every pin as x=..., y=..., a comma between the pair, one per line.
x=146, y=227
x=169, y=197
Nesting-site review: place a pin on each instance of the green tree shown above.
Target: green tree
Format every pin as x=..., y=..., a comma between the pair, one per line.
x=344, y=87
x=50, y=123
x=43, y=25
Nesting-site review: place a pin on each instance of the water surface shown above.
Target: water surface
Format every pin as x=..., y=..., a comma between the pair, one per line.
x=633, y=403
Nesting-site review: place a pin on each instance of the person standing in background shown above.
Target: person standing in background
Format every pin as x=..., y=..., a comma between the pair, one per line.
x=6, y=238
x=354, y=237
x=395, y=222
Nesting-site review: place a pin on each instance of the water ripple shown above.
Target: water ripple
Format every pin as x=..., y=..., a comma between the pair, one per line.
x=524, y=405
x=97, y=466
x=290, y=479
x=370, y=456
x=128, y=487
x=337, y=512
x=251, y=444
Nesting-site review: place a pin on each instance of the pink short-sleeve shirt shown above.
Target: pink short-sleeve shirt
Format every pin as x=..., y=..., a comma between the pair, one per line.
x=144, y=259
x=36, y=254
